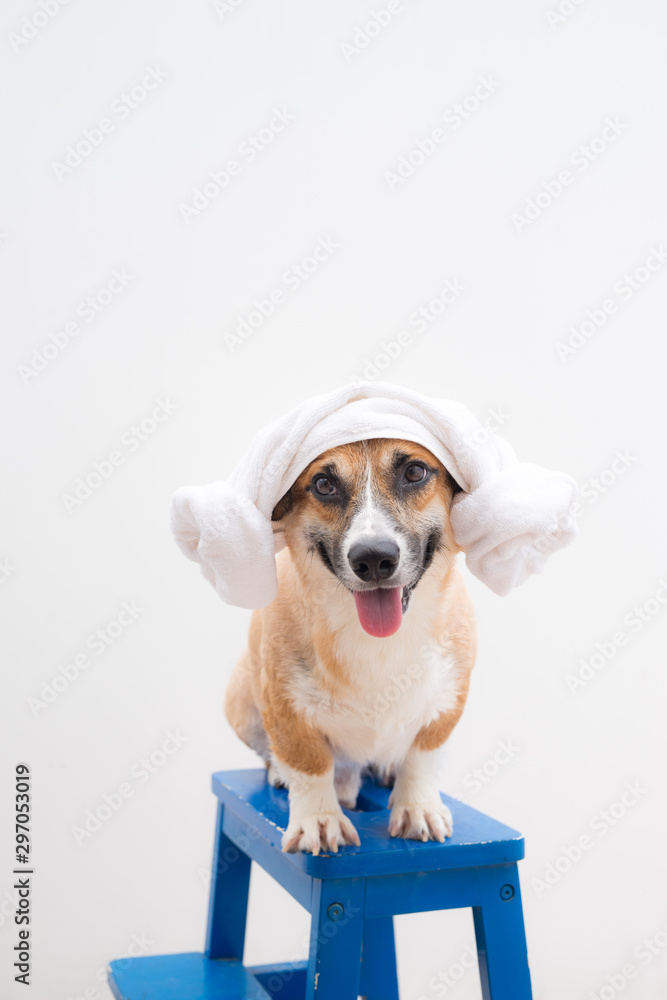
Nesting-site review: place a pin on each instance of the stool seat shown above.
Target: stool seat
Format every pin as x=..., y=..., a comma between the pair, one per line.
x=477, y=839
x=352, y=896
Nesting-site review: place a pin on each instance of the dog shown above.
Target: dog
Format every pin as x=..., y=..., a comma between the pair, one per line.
x=364, y=657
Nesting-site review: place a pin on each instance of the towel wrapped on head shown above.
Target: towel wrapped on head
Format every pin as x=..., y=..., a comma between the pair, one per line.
x=508, y=517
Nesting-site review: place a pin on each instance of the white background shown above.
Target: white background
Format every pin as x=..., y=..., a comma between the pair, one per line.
x=163, y=337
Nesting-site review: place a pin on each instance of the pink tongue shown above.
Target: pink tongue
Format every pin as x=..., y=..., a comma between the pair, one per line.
x=380, y=610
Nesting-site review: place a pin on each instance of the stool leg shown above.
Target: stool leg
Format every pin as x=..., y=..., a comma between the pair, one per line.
x=228, y=899
x=378, y=960
x=335, y=939
x=501, y=937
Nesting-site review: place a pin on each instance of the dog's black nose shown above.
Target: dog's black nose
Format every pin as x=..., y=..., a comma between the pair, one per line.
x=374, y=562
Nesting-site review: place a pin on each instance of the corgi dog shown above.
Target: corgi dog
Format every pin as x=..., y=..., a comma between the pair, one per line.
x=363, y=659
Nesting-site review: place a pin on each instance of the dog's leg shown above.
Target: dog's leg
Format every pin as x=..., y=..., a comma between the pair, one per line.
x=305, y=762
x=241, y=709
x=347, y=782
x=417, y=811
x=316, y=820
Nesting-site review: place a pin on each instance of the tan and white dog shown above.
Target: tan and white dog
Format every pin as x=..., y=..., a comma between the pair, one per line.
x=370, y=602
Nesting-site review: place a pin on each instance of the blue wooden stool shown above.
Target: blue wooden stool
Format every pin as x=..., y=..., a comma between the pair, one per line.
x=352, y=896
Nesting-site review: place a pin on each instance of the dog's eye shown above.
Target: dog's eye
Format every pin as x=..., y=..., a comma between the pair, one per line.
x=324, y=486
x=415, y=474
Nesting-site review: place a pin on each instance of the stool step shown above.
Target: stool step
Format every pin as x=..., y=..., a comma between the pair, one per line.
x=192, y=976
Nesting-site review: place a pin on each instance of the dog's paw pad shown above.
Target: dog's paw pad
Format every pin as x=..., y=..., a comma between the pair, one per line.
x=430, y=820
x=320, y=832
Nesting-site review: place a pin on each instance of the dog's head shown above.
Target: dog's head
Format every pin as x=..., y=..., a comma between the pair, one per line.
x=376, y=514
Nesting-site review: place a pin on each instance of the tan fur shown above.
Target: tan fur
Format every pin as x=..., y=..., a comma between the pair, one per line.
x=306, y=640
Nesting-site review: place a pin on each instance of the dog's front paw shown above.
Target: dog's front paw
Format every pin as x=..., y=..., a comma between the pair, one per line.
x=429, y=819
x=322, y=831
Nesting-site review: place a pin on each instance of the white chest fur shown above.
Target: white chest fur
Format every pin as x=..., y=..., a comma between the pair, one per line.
x=395, y=686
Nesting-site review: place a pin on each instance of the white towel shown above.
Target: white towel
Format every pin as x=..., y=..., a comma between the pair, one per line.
x=508, y=519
